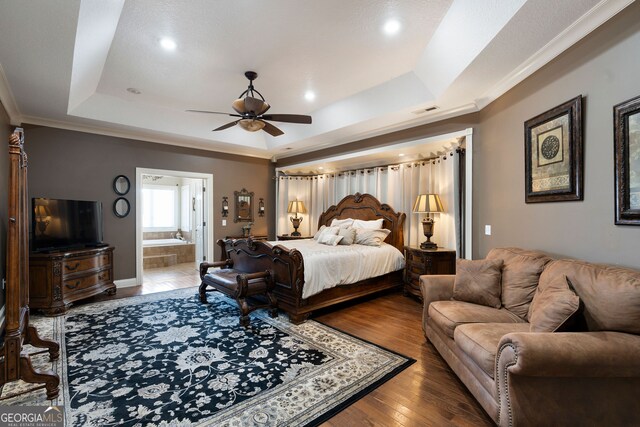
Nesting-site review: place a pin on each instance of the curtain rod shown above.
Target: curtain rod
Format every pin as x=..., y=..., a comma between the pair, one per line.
x=352, y=171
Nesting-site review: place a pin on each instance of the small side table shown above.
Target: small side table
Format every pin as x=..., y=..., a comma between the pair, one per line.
x=290, y=237
x=253, y=237
x=425, y=261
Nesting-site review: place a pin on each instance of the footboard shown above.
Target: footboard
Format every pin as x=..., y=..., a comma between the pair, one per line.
x=287, y=266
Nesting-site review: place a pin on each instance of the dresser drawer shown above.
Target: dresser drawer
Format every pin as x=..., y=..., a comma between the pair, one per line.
x=87, y=281
x=82, y=264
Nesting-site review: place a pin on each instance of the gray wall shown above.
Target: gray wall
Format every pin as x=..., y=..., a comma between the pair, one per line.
x=5, y=131
x=605, y=68
x=75, y=165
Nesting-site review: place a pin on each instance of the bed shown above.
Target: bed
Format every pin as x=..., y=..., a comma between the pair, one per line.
x=286, y=261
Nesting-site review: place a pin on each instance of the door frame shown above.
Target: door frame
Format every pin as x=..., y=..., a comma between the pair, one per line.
x=207, y=199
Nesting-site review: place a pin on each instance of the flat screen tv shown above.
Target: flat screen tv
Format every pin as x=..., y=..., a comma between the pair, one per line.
x=65, y=224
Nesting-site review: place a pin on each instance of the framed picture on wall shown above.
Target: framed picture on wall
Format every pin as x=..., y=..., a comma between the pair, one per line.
x=626, y=131
x=553, y=154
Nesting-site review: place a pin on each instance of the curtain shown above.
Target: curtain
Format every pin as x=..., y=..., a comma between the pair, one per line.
x=396, y=185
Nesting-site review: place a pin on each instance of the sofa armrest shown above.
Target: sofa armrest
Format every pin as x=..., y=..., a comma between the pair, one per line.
x=579, y=354
x=582, y=378
x=436, y=287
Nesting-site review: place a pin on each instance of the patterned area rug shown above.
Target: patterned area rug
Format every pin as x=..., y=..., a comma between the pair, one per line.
x=166, y=359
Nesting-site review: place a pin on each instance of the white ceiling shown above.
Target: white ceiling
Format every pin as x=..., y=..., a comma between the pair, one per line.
x=68, y=63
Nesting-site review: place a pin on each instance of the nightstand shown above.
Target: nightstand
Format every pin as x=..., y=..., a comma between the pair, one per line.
x=425, y=261
x=290, y=237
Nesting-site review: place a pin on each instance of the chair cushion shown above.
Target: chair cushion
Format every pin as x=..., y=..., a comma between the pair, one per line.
x=448, y=315
x=553, y=306
x=611, y=295
x=478, y=281
x=225, y=280
x=520, y=276
x=480, y=341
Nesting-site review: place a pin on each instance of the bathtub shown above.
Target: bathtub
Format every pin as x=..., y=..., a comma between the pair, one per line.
x=167, y=252
x=163, y=242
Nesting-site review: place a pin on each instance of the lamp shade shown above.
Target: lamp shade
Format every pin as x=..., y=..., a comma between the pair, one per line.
x=427, y=203
x=42, y=211
x=296, y=206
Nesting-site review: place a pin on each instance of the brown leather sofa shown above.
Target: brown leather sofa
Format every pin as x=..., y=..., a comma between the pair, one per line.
x=522, y=378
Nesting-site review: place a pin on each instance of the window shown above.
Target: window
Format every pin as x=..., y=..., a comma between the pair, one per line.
x=160, y=208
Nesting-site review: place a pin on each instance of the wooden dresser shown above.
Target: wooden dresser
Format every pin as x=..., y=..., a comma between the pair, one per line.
x=57, y=279
x=425, y=261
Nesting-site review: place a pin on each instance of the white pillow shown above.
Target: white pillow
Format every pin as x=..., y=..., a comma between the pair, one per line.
x=319, y=232
x=329, y=239
x=376, y=224
x=348, y=236
x=330, y=231
x=347, y=222
x=370, y=237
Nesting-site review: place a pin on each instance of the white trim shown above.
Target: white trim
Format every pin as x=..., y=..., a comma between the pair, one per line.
x=579, y=29
x=468, y=202
x=421, y=120
x=8, y=100
x=207, y=201
x=126, y=283
x=141, y=135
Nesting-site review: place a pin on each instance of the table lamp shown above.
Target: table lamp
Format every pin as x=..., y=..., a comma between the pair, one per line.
x=428, y=203
x=296, y=207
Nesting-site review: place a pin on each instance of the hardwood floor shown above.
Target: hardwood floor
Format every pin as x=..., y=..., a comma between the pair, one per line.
x=427, y=393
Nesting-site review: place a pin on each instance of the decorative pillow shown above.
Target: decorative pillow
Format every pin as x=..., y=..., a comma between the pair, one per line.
x=347, y=222
x=348, y=235
x=319, y=232
x=478, y=281
x=375, y=224
x=371, y=237
x=330, y=239
x=553, y=306
x=331, y=231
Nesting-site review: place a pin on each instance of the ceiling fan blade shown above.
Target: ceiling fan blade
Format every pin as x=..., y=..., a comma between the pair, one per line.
x=254, y=104
x=271, y=129
x=227, y=126
x=288, y=118
x=213, y=112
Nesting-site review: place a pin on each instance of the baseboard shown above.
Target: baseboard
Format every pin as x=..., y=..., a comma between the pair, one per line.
x=126, y=283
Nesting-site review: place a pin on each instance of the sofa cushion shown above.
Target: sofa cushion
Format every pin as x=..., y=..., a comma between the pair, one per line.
x=480, y=341
x=520, y=276
x=552, y=306
x=611, y=295
x=448, y=315
x=478, y=281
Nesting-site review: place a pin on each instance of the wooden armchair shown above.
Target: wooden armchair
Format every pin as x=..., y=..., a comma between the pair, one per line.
x=239, y=285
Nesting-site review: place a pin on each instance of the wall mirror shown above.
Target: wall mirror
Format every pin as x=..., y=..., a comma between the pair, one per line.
x=121, y=207
x=244, y=206
x=121, y=185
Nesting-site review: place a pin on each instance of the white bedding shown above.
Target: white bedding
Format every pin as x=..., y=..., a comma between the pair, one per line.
x=329, y=266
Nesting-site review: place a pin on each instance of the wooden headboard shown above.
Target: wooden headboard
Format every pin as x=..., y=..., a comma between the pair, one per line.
x=366, y=207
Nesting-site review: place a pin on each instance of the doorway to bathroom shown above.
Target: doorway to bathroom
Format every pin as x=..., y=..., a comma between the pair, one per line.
x=173, y=227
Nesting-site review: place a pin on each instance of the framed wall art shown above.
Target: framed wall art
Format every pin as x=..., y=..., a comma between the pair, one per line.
x=626, y=131
x=553, y=154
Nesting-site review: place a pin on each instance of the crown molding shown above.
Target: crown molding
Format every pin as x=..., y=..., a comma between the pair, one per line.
x=587, y=23
x=8, y=101
x=180, y=141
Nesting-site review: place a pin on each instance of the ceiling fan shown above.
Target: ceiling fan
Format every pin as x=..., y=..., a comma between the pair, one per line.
x=251, y=112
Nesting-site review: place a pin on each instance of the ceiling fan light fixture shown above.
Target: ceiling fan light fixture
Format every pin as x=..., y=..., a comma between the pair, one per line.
x=251, y=125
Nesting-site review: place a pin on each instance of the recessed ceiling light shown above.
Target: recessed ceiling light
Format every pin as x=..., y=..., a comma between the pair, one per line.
x=391, y=27
x=168, y=44
x=309, y=95
x=401, y=155
x=134, y=91
x=320, y=167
